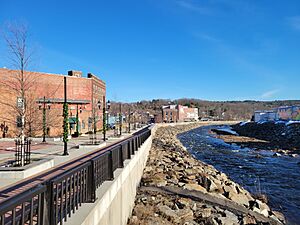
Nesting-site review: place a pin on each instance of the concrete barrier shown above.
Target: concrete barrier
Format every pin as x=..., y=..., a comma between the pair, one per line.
x=26, y=171
x=116, y=198
x=85, y=147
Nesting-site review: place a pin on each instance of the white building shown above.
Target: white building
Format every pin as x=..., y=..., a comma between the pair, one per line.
x=265, y=115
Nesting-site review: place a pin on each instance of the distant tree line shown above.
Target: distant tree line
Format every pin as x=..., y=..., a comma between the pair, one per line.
x=221, y=110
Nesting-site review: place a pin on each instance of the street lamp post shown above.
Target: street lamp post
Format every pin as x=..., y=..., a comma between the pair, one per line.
x=108, y=107
x=129, y=120
x=66, y=119
x=77, y=121
x=44, y=120
x=78, y=110
x=105, y=113
x=120, y=119
x=95, y=121
x=134, y=121
x=44, y=117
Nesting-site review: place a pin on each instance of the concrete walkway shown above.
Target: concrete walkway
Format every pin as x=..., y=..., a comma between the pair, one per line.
x=54, y=150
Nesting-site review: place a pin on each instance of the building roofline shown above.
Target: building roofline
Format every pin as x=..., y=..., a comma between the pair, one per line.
x=56, y=74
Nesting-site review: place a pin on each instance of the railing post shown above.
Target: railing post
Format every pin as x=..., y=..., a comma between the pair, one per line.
x=91, y=183
x=110, y=167
x=121, y=156
x=140, y=139
x=136, y=143
x=129, y=149
x=133, y=145
x=48, y=205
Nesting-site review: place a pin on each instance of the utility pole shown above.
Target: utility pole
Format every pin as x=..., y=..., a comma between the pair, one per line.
x=66, y=118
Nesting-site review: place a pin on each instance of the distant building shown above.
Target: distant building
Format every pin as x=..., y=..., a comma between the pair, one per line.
x=280, y=113
x=187, y=114
x=170, y=114
x=289, y=112
x=265, y=115
x=158, y=118
x=177, y=113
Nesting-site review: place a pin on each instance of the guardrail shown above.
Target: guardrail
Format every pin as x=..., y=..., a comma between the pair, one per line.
x=54, y=200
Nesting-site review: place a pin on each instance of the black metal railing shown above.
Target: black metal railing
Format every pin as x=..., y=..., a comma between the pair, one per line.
x=55, y=199
x=23, y=152
x=69, y=191
x=102, y=168
x=24, y=208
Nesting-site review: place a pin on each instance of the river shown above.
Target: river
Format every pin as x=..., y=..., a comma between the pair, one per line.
x=277, y=177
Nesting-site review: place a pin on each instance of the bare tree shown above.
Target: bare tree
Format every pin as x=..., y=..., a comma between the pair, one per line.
x=18, y=82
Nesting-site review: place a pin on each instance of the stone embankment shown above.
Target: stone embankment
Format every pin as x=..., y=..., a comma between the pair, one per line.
x=178, y=189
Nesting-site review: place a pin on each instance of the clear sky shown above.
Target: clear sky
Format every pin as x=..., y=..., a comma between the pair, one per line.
x=145, y=49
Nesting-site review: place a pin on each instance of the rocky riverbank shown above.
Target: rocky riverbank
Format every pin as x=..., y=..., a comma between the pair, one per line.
x=178, y=189
x=279, y=137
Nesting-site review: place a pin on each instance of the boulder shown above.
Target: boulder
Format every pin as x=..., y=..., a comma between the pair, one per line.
x=168, y=212
x=206, y=212
x=248, y=220
x=195, y=187
x=185, y=214
x=279, y=215
x=241, y=199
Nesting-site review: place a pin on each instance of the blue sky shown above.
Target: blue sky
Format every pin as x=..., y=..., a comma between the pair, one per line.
x=145, y=49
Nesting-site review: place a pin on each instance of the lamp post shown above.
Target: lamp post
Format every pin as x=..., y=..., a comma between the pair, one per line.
x=78, y=110
x=105, y=113
x=95, y=121
x=77, y=121
x=66, y=119
x=134, y=121
x=108, y=107
x=120, y=119
x=44, y=117
x=4, y=129
x=129, y=120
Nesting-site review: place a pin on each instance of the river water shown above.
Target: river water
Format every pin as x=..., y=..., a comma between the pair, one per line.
x=277, y=177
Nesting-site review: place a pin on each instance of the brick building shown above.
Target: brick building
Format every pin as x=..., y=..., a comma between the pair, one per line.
x=85, y=95
x=170, y=114
x=177, y=113
x=186, y=114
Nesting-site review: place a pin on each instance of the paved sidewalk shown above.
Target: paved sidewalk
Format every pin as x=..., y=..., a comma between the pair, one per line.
x=54, y=150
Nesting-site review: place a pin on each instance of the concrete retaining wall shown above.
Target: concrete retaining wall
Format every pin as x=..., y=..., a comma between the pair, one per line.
x=116, y=198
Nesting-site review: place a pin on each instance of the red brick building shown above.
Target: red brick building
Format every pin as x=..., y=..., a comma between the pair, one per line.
x=170, y=114
x=186, y=114
x=85, y=95
x=177, y=113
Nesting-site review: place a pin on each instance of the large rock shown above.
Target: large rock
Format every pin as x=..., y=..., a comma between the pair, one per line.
x=185, y=214
x=241, y=199
x=168, y=212
x=195, y=187
x=229, y=218
x=279, y=215
x=248, y=220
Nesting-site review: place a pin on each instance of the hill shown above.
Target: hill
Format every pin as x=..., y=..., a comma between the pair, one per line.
x=223, y=110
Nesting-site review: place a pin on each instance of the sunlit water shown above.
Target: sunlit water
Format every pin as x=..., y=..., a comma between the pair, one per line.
x=278, y=177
